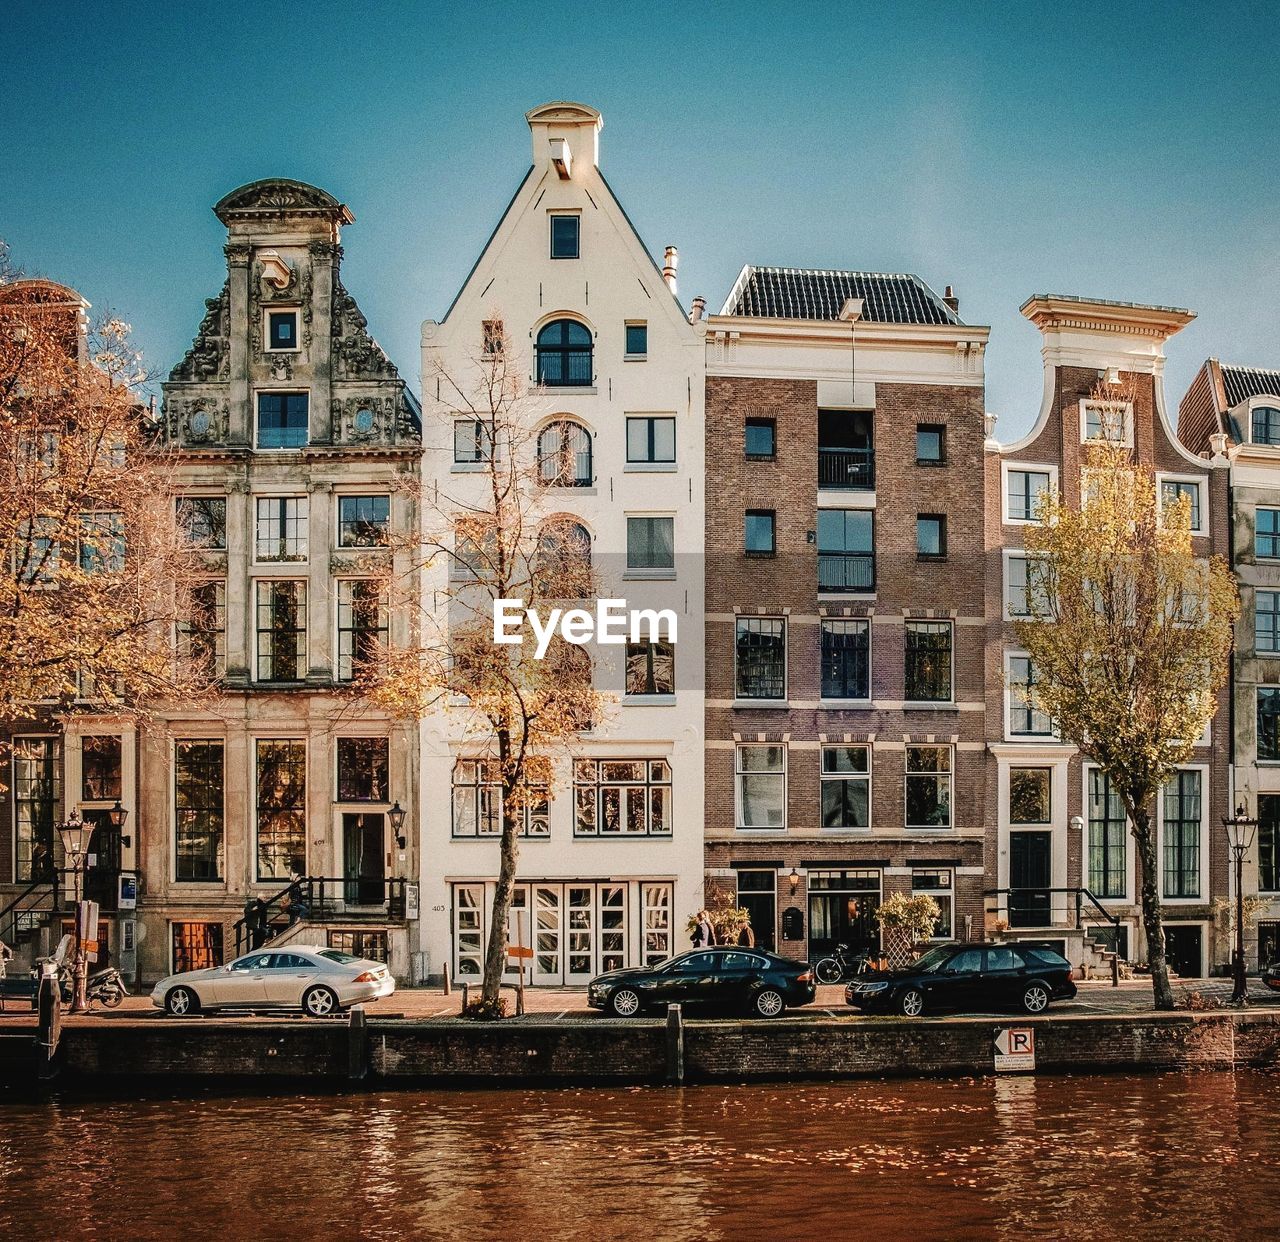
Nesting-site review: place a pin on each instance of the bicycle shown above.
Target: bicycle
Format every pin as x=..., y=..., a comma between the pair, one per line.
x=840, y=965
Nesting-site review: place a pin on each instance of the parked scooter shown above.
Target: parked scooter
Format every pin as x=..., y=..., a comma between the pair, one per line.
x=104, y=987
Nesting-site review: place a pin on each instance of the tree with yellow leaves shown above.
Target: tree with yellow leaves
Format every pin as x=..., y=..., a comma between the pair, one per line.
x=492, y=534
x=1130, y=635
x=96, y=575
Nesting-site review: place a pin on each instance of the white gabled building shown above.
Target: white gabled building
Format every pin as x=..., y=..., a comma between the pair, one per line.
x=612, y=877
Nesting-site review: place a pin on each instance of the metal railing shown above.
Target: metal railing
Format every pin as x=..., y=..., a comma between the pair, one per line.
x=846, y=571
x=318, y=898
x=1030, y=900
x=846, y=468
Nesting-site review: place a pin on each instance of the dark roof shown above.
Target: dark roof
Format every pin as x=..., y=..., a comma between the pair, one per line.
x=807, y=293
x=1241, y=383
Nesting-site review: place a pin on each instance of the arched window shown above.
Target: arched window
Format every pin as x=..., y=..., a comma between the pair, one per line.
x=564, y=455
x=564, y=354
x=563, y=569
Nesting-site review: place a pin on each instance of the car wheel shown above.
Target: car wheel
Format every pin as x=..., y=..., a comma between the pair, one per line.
x=769, y=1003
x=319, y=1002
x=911, y=1003
x=1035, y=998
x=624, y=1003
x=112, y=997
x=180, y=1002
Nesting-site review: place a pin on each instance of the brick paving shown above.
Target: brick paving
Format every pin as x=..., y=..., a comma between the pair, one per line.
x=1095, y=998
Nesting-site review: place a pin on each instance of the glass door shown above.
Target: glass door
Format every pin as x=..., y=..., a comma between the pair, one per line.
x=468, y=930
x=657, y=923
x=547, y=917
x=613, y=927
x=580, y=904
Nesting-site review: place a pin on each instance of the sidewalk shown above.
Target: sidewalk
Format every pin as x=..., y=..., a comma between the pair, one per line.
x=1095, y=998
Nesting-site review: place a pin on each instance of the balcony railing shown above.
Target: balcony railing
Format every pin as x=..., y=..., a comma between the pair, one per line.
x=846, y=571
x=846, y=468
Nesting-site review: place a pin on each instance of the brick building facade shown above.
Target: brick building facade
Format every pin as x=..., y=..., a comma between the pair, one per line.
x=845, y=720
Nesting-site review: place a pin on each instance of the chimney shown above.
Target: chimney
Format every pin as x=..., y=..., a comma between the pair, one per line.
x=669, y=263
x=952, y=301
x=699, y=305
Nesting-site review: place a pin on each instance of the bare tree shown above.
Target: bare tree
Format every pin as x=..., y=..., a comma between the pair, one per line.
x=494, y=534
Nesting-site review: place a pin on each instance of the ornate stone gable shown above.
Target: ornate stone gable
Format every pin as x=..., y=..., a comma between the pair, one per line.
x=356, y=355
x=210, y=353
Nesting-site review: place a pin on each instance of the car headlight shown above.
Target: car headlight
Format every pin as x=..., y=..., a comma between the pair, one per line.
x=873, y=987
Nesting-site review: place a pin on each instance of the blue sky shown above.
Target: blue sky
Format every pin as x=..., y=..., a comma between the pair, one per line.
x=1122, y=151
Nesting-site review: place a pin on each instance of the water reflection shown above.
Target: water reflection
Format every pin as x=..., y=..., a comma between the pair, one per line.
x=1051, y=1157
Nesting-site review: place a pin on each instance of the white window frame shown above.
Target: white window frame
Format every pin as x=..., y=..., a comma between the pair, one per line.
x=304, y=520
x=1021, y=467
x=738, y=773
x=871, y=641
x=949, y=892
x=267, y=312
x=1016, y=653
x=641, y=571
x=1203, y=770
x=950, y=774
x=1126, y=836
x=1264, y=401
x=1200, y=482
x=784, y=701
x=656, y=466
x=824, y=777
x=1125, y=409
x=628, y=323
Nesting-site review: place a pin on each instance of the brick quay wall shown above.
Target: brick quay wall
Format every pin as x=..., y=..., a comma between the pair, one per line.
x=538, y=1051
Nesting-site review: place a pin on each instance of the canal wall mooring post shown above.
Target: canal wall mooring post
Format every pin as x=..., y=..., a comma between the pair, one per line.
x=675, y=1046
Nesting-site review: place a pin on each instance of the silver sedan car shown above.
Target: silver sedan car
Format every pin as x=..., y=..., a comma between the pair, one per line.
x=317, y=980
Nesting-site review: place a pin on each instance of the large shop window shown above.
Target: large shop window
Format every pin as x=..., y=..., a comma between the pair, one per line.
x=477, y=802
x=362, y=769
x=37, y=799
x=367, y=944
x=761, y=658
x=846, y=659
x=196, y=946
x=761, y=786
x=282, y=630
x=928, y=781
x=621, y=798
x=928, y=661
x=1107, y=833
x=282, y=808
x=198, y=815
x=846, y=786
x=1181, y=831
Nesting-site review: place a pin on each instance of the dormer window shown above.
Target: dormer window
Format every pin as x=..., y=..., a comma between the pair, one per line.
x=1266, y=424
x=282, y=330
x=282, y=420
x=564, y=237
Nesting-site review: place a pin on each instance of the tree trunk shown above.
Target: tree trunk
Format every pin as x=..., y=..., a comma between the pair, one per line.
x=495, y=956
x=1152, y=920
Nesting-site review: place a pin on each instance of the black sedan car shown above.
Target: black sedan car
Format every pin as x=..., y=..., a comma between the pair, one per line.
x=968, y=977
x=761, y=983
x=1271, y=976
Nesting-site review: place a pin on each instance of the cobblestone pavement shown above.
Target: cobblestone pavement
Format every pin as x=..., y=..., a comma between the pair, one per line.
x=1133, y=996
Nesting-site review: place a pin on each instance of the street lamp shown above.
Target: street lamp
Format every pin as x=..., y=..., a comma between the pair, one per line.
x=76, y=835
x=397, y=815
x=794, y=880
x=1240, y=833
x=116, y=817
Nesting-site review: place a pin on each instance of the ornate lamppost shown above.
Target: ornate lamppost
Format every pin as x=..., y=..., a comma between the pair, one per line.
x=1240, y=833
x=76, y=835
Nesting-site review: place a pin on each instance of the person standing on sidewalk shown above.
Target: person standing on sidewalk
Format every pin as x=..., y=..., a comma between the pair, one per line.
x=704, y=935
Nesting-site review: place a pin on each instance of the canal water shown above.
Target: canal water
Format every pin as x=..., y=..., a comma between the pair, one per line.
x=1169, y=1156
